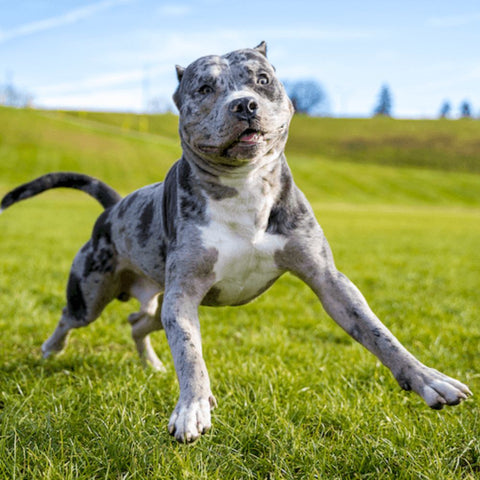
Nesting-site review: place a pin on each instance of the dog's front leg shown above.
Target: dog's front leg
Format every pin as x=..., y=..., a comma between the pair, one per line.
x=310, y=258
x=191, y=416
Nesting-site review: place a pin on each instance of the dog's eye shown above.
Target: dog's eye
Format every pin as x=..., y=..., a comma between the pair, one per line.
x=205, y=90
x=263, y=79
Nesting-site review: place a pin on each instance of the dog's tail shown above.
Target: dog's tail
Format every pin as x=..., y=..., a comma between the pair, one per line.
x=100, y=191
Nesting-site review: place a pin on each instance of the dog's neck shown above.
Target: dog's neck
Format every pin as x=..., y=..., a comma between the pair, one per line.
x=243, y=196
x=264, y=169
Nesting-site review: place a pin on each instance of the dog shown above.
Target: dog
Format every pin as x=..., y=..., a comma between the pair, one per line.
x=227, y=221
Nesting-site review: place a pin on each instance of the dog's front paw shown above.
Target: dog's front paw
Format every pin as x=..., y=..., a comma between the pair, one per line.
x=440, y=390
x=436, y=388
x=190, y=419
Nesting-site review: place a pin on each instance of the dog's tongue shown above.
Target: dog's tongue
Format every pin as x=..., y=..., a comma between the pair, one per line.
x=250, y=137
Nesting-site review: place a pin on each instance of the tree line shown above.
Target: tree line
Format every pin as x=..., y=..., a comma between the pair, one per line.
x=384, y=106
x=307, y=95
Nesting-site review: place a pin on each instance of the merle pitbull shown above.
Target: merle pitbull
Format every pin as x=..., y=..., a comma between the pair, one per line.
x=226, y=223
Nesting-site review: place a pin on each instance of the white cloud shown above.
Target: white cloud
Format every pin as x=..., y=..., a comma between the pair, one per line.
x=67, y=18
x=118, y=99
x=121, y=90
x=95, y=82
x=105, y=80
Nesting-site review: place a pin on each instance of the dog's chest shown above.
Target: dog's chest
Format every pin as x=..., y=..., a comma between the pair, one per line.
x=246, y=252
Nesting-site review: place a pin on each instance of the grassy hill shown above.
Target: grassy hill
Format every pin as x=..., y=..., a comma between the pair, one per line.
x=444, y=145
x=451, y=145
x=333, y=160
x=33, y=142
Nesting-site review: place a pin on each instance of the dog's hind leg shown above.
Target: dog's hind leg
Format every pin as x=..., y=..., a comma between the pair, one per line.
x=91, y=286
x=56, y=343
x=146, y=321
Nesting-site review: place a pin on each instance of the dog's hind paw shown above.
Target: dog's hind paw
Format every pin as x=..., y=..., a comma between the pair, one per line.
x=50, y=347
x=155, y=364
x=192, y=419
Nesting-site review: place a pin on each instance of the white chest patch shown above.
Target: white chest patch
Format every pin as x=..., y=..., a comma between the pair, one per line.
x=246, y=264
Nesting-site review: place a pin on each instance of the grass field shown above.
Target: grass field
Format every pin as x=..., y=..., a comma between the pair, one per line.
x=298, y=399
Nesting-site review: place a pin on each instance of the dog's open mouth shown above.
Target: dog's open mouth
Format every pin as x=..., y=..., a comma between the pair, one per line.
x=246, y=145
x=243, y=146
x=250, y=137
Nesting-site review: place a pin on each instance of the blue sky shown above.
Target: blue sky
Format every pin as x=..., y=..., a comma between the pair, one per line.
x=113, y=54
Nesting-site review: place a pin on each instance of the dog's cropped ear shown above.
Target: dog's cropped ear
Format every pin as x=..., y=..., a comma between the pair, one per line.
x=262, y=48
x=180, y=71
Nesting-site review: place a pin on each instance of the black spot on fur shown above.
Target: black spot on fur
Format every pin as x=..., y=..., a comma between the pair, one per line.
x=356, y=332
x=376, y=332
x=190, y=208
x=126, y=203
x=402, y=378
x=75, y=300
x=101, y=260
x=102, y=229
x=281, y=221
x=354, y=313
x=163, y=251
x=289, y=211
x=169, y=203
x=192, y=200
x=184, y=177
x=168, y=322
x=145, y=223
x=99, y=252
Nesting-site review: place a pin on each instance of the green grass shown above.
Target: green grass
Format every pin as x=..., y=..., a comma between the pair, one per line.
x=36, y=142
x=440, y=144
x=298, y=398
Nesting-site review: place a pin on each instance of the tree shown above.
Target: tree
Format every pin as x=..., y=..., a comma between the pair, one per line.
x=465, y=109
x=307, y=96
x=159, y=105
x=445, y=109
x=384, y=106
x=13, y=97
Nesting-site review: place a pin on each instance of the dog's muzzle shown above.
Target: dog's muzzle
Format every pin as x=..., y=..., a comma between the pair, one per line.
x=244, y=108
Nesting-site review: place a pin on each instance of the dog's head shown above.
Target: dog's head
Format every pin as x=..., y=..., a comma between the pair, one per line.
x=233, y=109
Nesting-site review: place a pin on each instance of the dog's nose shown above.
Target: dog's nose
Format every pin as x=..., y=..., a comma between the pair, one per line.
x=244, y=108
